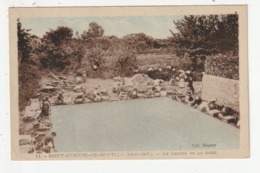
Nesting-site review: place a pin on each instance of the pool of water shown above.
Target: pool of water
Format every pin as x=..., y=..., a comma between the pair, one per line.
x=138, y=125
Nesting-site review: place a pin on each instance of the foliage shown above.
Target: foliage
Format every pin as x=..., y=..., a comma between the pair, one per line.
x=95, y=31
x=96, y=45
x=126, y=61
x=24, y=38
x=199, y=36
x=195, y=33
x=138, y=42
x=58, y=36
x=95, y=57
x=227, y=35
x=226, y=66
x=28, y=78
x=76, y=53
x=58, y=48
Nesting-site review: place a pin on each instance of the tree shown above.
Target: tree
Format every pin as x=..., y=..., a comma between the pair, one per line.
x=126, y=60
x=95, y=45
x=95, y=31
x=58, y=36
x=199, y=36
x=114, y=44
x=138, y=42
x=58, y=48
x=95, y=57
x=76, y=51
x=28, y=78
x=195, y=34
x=227, y=34
x=24, y=38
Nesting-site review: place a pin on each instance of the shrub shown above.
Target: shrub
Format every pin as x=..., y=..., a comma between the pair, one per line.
x=226, y=66
x=28, y=83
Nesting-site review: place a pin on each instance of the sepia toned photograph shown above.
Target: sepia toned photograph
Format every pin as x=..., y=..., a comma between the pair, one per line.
x=129, y=82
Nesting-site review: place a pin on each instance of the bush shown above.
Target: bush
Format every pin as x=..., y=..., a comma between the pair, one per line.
x=226, y=66
x=28, y=83
x=164, y=74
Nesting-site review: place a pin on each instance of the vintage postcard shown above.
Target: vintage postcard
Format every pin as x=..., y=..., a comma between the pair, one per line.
x=161, y=82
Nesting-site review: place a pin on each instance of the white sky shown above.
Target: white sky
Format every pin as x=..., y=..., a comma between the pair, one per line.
x=155, y=26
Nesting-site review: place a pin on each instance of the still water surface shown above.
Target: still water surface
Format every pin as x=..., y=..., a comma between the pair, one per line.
x=138, y=125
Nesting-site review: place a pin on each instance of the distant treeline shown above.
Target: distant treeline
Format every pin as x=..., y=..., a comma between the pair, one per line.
x=60, y=50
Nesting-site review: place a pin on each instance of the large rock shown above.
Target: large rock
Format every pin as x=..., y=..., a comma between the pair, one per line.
x=79, y=88
x=143, y=88
x=140, y=78
x=117, y=79
x=78, y=79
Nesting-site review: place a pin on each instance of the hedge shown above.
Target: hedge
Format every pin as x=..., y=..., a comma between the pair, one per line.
x=226, y=66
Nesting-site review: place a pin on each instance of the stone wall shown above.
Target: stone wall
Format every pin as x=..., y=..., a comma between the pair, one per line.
x=226, y=91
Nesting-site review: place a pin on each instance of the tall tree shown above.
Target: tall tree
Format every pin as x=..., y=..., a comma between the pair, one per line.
x=198, y=36
x=58, y=36
x=94, y=32
x=95, y=45
x=58, y=48
x=28, y=78
x=24, y=39
x=195, y=34
x=227, y=34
